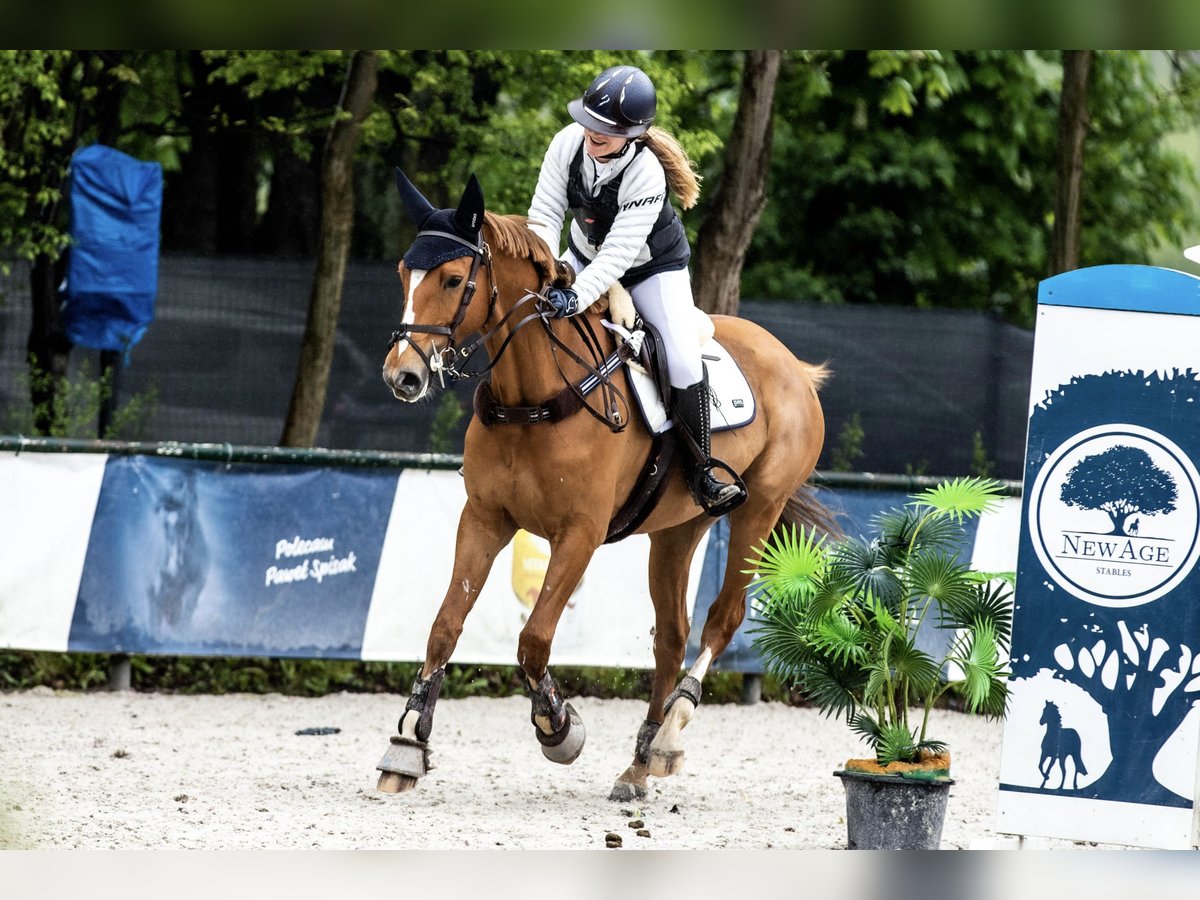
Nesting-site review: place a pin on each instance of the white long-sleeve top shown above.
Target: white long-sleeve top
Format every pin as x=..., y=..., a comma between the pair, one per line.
x=639, y=200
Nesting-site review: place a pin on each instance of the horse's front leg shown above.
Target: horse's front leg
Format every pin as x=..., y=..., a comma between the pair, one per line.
x=480, y=538
x=557, y=726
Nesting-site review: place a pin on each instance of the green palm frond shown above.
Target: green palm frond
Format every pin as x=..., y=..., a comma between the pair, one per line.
x=895, y=744
x=981, y=668
x=863, y=567
x=988, y=603
x=865, y=726
x=780, y=638
x=840, y=639
x=788, y=563
x=884, y=619
x=1010, y=577
x=939, y=577
x=916, y=666
x=835, y=697
x=830, y=595
x=961, y=498
x=914, y=529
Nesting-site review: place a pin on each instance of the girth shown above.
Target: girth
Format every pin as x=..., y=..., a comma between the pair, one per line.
x=647, y=490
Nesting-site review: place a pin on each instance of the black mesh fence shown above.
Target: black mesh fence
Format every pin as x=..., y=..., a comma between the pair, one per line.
x=221, y=356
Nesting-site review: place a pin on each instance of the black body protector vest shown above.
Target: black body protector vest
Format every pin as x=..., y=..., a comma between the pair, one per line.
x=667, y=240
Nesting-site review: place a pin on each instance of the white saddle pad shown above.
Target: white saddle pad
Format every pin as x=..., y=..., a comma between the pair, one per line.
x=731, y=403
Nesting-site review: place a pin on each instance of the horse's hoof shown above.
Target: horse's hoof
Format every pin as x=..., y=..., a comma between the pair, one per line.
x=665, y=762
x=395, y=783
x=568, y=743
x=404, y=762
x=625, y=791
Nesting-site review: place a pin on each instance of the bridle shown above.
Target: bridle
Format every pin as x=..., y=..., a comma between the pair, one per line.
x=447, y=360
x=451, y=360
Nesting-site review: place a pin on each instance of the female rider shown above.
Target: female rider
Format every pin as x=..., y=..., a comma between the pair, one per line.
x=611, y=170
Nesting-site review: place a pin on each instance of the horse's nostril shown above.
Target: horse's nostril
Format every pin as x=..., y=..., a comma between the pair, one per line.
x=409, y=383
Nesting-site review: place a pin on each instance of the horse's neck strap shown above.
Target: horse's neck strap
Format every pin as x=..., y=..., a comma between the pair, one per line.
x=563, y=404
x=490, y=412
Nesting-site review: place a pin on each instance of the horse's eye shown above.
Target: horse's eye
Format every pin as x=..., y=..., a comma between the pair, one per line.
x=452, y=282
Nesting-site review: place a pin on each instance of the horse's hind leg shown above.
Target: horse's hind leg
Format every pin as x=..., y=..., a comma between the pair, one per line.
x=748, y=525
x=480, y=539
x=671, y=553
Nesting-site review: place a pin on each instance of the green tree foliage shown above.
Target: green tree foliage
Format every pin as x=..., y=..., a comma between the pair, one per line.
x=901, y=177
x=926, y=179
x=35, y=132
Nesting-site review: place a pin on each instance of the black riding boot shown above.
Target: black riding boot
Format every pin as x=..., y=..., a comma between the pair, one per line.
x=714, y=496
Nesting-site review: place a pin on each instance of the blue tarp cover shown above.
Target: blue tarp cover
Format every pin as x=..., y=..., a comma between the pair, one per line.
x=112, y=265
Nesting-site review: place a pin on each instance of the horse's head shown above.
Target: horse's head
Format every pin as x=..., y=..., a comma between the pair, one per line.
x=1050, y=714
x=446, y=267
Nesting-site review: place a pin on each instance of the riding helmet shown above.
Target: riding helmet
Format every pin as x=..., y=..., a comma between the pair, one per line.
x=620, y=102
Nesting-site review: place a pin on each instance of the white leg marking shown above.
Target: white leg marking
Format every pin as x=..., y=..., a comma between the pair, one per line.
x=408, y=724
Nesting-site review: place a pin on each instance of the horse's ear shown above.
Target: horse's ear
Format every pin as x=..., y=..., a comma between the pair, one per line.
x=469, y=215
x=415, y=204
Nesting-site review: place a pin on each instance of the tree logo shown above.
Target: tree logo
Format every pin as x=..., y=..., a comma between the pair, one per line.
x=1114, y=515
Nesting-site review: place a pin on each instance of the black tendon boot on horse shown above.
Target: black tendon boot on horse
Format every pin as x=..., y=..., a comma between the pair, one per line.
x=714, y=496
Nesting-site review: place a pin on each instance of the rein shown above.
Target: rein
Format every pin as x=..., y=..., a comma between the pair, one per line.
x=452, y=360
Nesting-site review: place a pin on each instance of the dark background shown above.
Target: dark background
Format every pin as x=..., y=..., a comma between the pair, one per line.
x=221, y=357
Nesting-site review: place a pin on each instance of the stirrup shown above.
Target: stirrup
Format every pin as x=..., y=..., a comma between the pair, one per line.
x=732, y=495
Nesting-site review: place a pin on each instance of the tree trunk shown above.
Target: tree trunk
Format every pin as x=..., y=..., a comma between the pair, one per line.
x=48, y=346
x=337, y=222
x=1072, y=131
x=741, y=193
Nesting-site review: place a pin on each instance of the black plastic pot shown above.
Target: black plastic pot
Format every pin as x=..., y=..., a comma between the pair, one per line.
x=889, y=812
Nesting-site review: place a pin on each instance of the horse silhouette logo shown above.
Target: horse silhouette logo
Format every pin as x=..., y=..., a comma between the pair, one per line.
x=1059, y=745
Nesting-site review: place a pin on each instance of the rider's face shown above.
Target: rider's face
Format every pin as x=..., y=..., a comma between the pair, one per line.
x=601, y=145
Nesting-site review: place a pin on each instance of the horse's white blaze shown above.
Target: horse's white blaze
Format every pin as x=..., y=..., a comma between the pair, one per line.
x=414, y=279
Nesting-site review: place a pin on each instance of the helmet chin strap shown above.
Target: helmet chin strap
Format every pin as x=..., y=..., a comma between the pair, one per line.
x=611, y=156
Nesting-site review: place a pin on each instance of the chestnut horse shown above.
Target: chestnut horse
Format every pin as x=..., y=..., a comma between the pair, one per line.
x=566, y=478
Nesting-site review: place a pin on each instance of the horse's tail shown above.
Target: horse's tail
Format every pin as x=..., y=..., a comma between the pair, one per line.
x=806, y=510
x=818, y=374
x=1077, y=752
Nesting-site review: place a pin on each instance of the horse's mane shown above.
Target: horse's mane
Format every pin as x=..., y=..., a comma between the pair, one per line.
x=510, y=236
x=1052, y=710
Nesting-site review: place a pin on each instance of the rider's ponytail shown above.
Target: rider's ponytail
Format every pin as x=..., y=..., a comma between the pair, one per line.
x=682, y=179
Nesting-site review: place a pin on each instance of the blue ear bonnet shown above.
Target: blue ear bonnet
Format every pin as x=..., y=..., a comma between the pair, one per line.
x=446, y=234
x=429, y=251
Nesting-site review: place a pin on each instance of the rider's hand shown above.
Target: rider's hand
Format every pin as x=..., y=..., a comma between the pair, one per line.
x=563, y=301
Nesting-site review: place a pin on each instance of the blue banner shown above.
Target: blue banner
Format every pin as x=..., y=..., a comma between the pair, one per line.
x=242, y=560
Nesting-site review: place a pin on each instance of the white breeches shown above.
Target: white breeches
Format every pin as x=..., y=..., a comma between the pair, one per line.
x=665, y=301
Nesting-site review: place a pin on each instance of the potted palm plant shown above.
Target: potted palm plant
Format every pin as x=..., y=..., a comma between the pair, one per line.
x=842, y=620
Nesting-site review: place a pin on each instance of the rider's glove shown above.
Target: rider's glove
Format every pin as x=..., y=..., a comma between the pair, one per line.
x=563, y=301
